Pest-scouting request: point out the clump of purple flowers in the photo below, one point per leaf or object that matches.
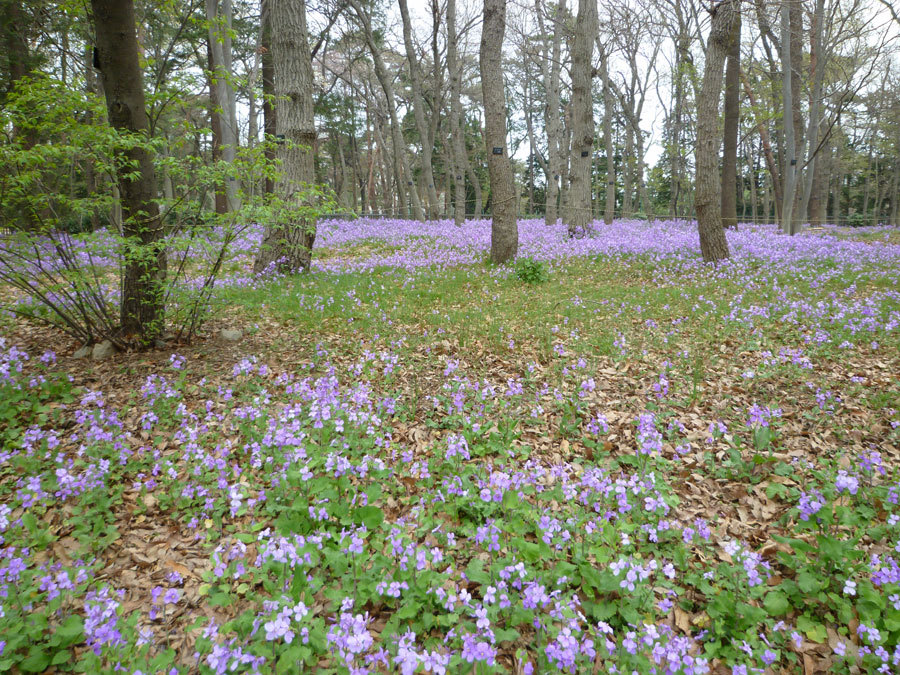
(101, 620)
(649, 439)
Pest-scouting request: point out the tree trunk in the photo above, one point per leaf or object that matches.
(795, 18)
(215, 125)
(642, 183)
(15, 42)
(895, 194)
(142, 307)
(817, 205)
(565, 156)
(610, 205)
(628, 174)
(790, 147)
(268, 85)
(504, 229)
(771, 164)
(91, 179)
(754, 175)
(219, 19)
(457, 133)
(708, 200)
(418, 104)
(475, 180)
(732, 123)
(579, 212)
(676, 151)
(391, 199)
(817, 66)
(550, 70)
(287, 243)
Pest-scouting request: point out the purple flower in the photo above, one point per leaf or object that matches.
(810, 504)
(843, 482)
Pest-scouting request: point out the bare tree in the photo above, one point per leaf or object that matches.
(402, 172)
(707, 200)
(551, 64)
(578, 215)
(504, 229)
(418, 105)
(457, 140)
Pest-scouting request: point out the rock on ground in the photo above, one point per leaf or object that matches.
(103, 350)
(231, 334)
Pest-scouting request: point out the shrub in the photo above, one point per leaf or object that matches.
(531, 271)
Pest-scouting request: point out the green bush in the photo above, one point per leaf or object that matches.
(531, 271)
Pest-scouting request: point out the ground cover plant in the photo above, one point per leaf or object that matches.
(608, 457)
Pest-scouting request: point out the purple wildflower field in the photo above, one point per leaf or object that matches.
(630, 462)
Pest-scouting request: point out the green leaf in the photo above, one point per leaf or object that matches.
(777, 603)
(36, 661)
(814, 630)
(475, 572)
(370, 516)
(506, 634)
(71, 629)
(409, 610)
(510, 499)
(61, 657)
(808, 583)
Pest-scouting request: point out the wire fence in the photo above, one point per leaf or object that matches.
(854, 220)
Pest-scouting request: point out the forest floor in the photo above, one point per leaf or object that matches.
(611, 458)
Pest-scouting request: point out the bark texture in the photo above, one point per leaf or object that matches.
(268, 83)
(287, 244)
(788, 225)
(219, 17)
(732, 119)
(504, 229)
(142, 307)
(707, 199)
(579, 211)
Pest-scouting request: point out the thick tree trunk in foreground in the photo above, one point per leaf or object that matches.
(142, 308)
(288, 243)
(504, 229)
(732, 119)
(579, 213)
(707, 199)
